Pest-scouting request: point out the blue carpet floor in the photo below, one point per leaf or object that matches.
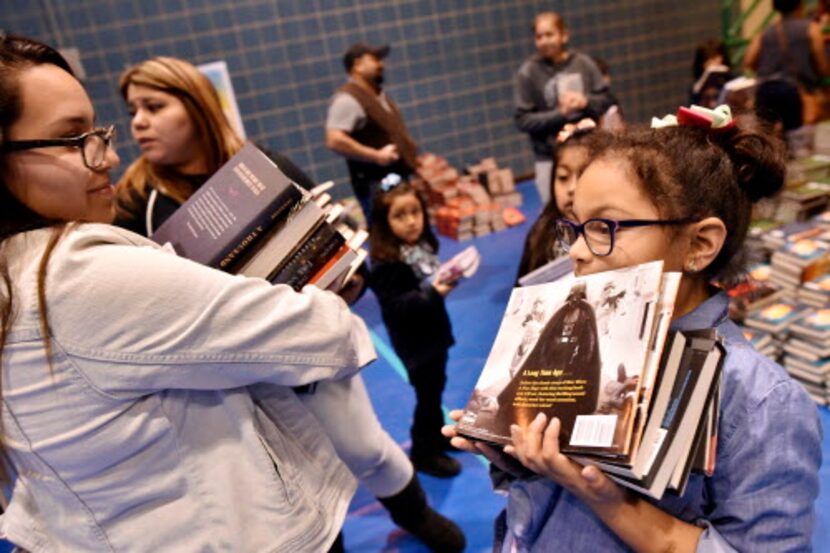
(475, 308)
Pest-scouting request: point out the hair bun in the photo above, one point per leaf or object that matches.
(759, 160)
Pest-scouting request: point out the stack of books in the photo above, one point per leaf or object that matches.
(776, 319)
(807, 169)
(633, 399)
(755, 291)
(469, 205)
(816, 291)
(821, 138)
(807, 353)
(799, 261)
(250, 219)
(499, 182)
(803, 202)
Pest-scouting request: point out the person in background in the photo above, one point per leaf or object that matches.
(404, 277)
(761, 496)
(578, 144)
(555, 86)
(613, 119)
(177, 121)
(790, 61)
(366, 127)
(137, 415)
(712, 60)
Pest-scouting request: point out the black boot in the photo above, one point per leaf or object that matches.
(409, 510)
(435, 463)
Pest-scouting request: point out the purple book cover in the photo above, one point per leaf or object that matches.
(231, 210)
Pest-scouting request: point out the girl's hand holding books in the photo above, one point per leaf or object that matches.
(537, 448)
(501, 460)
(443, 287)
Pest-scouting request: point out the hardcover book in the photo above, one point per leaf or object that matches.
(550, 271)
(462, 265)
(231, 211)
(576, 349)
(814, 325)
(776, 317)
(688, 383)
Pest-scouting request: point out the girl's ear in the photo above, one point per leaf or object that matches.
(706, 239)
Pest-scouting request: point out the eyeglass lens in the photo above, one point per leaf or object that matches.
(95, 149)
(598, 235)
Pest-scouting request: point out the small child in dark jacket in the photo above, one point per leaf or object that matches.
(403, 277)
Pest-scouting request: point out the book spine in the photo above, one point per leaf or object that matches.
(281, 206)
(309, 258)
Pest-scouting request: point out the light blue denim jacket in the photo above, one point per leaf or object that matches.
(760, 498)
(165, 422)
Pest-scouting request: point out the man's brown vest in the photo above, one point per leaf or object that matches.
(383, 126)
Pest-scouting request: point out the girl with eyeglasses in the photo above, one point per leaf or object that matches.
(177, 121)
(146, 400)
(682, 194)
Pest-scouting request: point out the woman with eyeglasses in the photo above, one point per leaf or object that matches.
(146, 400)
(177, 121)
(681, 193)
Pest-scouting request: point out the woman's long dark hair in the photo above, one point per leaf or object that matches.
(16, 55)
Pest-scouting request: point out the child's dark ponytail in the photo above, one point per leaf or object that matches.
(758, 158)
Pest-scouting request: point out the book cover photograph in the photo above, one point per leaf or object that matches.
(575, 349)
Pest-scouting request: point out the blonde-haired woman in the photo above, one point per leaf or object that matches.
(184, 138)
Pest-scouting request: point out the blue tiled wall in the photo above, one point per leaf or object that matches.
(450, 69)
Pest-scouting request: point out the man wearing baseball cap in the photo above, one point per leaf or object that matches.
(366, 127)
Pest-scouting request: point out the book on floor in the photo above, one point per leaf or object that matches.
(576, 349)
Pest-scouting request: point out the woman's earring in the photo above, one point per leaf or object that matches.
(691, 267)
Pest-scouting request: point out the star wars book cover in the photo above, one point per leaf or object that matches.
(575, 349)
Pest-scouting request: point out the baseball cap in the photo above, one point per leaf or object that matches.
(359, 49)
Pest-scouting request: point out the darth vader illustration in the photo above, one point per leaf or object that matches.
(568, 348)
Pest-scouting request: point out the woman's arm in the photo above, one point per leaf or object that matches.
(117, 301)
(817, 53)
(528, 117)
(752, 54)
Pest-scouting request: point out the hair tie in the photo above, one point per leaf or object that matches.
(714, 120)
(390, 181)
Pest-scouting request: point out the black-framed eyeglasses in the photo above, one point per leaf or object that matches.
(93, 145)
(600, 234)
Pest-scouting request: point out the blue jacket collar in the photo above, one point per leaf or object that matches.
(710, 314)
